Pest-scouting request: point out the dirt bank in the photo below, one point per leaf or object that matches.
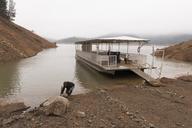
(187, 78)
(181, 51)
(17, 42)
(124, 106)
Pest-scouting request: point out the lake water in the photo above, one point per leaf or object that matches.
(34, 79)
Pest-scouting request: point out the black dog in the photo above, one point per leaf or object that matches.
(69, 86)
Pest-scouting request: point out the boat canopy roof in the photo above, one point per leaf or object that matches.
(119, 39)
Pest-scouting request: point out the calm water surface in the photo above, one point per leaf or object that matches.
(34, 79)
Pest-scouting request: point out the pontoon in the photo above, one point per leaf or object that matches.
(104, 55)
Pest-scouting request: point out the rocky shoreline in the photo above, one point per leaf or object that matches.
(123, 106)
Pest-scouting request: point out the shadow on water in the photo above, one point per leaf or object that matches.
(9, 79)
(93, 79)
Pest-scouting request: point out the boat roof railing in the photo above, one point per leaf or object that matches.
(119, 39)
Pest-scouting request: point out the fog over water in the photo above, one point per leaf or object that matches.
(89, 18)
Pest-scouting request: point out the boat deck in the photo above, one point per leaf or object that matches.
(124, 67)
(121, 67)
(127, 66)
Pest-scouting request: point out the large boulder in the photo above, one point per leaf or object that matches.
(55, 106)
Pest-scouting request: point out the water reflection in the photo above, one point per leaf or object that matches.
(92, 79)
(9, 79)
(173, 68)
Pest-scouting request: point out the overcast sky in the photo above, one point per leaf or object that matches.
(64, 18)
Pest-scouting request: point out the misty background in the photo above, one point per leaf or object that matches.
(87, 18)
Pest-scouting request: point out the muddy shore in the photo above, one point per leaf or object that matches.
(123, 106)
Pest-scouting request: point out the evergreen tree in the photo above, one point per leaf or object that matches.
(3, 9)
(11, 11)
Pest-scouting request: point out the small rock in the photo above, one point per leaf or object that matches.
(136, 86)
(137, 120)
(90, 125)
(8, 121)
(108, 98)
(182, 97)
(81, 114)
(113, 123)
(179, 124)
(89, 121)
(120, 117)
(21, 116)
(76, 124)
(113, 126)
(129, 114)
(157, 90)
(144, 126)
(41, 124)
(137, 112)
(103, 91)
(133, 116)
(143, 118)
(102, 120)
(151, 125)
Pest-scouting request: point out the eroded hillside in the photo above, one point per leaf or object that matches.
(181, 51)
(17, 42)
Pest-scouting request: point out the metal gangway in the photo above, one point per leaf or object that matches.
(145, 76)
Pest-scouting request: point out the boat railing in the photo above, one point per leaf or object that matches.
(102, 60)
(135, 59)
